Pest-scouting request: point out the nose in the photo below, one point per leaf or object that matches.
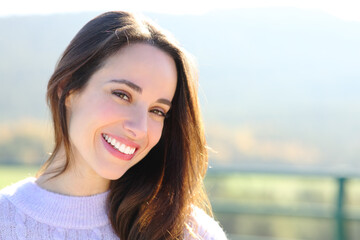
(136, 124)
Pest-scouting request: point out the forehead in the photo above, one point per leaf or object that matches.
(143, 64)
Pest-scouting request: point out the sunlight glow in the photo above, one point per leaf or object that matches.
(344, 9)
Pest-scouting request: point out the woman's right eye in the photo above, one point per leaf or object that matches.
(121, 95)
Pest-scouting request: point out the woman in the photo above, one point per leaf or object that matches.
(129, 155)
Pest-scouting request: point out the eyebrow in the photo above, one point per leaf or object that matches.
(139, 89)
(128, 83)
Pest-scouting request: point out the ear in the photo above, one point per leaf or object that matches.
(60, 92)
(60, 89)
(68, 101)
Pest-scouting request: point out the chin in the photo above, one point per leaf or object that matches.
(112, 175)
(110, 171)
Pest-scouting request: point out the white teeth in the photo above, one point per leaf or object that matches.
(127, 150)
(119, 146)
(122, 148)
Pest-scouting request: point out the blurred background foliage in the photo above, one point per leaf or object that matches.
(26, 141)
(279, 94)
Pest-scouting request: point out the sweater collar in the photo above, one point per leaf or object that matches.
(56, 209)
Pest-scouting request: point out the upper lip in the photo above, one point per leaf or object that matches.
(124, 141)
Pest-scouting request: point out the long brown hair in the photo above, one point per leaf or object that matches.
(154, 198)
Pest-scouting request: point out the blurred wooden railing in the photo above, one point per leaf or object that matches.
(336, 213)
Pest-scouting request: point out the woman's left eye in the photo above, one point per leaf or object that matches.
(158, 112)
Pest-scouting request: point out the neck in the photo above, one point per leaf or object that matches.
(74, 181)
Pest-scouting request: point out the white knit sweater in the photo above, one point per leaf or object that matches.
(30, 212)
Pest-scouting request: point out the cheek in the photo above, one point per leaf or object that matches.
(110, 111)
(89, 118)
(107, 109)
(155, 130)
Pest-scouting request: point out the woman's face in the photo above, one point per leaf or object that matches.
(119, 115)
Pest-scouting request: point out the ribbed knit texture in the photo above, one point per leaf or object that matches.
(30, 212)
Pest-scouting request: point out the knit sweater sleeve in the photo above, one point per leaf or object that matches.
(6, 213)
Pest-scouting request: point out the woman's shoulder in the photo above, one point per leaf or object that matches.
(4, 205)
(9, 194)
(204, 227)
(7, 210)
(11, 190)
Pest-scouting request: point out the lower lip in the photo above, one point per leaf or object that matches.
(116, 153)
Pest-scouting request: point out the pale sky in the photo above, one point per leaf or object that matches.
(345, 9)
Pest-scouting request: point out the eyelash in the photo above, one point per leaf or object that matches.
(159, 113)
(123, 96)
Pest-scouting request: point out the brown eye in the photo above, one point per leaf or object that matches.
(121, 95)
(158, 112)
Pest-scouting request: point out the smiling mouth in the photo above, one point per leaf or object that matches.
(123, 148)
